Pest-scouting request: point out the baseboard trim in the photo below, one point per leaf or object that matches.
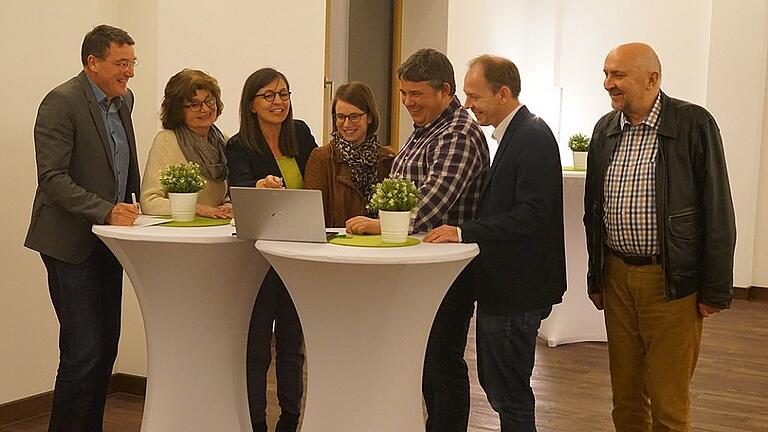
(759, 294)
(742, 293)
(753, 293)
(127, 383)
(40, 404)
(24, 409)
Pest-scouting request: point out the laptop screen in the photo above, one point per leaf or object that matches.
(279, 214)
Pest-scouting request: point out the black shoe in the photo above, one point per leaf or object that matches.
(287, 423)
(260, 426)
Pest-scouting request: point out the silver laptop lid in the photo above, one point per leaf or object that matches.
(278, 214)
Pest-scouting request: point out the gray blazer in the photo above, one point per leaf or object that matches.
(76, 181)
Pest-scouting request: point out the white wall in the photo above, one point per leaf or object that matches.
(140, 20)
(559, 51)
(237, 37)
(760, 263)
(590, 28)
(736, 79)
(520, 30)
(41, 49)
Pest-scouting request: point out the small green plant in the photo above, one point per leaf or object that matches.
(182, 178)
(394, 194)
(578, 142)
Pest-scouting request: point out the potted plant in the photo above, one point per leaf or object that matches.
(394, 199)
(579, 145)
(182, 182)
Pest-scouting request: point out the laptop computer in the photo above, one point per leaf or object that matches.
(279, 214)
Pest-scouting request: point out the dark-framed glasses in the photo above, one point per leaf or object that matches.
(197, 105)
(354, 117)
(269, 96)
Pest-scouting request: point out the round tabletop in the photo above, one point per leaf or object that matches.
(157, 233)
(326, 252)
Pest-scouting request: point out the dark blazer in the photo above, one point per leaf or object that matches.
(247, 166)
(76, 180)
(519, 227)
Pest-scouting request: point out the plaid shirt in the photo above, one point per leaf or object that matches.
(446, 159)
(630, 188)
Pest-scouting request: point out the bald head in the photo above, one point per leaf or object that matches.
(632, 79)
(643, 56)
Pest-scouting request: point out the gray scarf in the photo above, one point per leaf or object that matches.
(206, 152)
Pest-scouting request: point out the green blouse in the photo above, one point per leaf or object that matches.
(291, 173)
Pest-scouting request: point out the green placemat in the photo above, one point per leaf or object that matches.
(371, 241)
(570, 168)
(198, 222)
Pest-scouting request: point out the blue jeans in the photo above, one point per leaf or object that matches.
(506, 349)
(87, 299)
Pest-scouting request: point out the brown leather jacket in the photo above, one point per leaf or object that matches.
(341, 200)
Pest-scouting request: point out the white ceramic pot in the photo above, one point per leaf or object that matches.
(183, 206)
(579, 160)
(394, 226)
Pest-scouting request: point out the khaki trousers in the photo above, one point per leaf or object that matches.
(653, 345)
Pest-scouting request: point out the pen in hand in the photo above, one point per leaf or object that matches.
(133, 198)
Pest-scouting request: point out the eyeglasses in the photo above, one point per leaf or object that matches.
(354, 117)
(197, 105)
(125, 65)
(270, 95)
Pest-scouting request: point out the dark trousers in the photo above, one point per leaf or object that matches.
(506, 349)
(274, 305)
(87, 300)
(445, 383)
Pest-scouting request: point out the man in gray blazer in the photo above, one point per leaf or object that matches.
(87, 170)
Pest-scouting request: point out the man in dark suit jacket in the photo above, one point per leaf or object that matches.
(520, 271)
(87, 170)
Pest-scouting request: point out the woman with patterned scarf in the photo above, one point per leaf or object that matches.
(191, 104)
(347, 169)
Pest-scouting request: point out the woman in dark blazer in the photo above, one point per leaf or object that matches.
(271, 150)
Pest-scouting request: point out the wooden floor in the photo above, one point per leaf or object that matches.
(730, 388)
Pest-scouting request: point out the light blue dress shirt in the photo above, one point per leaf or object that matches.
(118, 141)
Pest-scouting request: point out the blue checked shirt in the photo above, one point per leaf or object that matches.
(447, 160)
(630, 188)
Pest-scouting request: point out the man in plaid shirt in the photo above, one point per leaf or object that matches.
(446, 156)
